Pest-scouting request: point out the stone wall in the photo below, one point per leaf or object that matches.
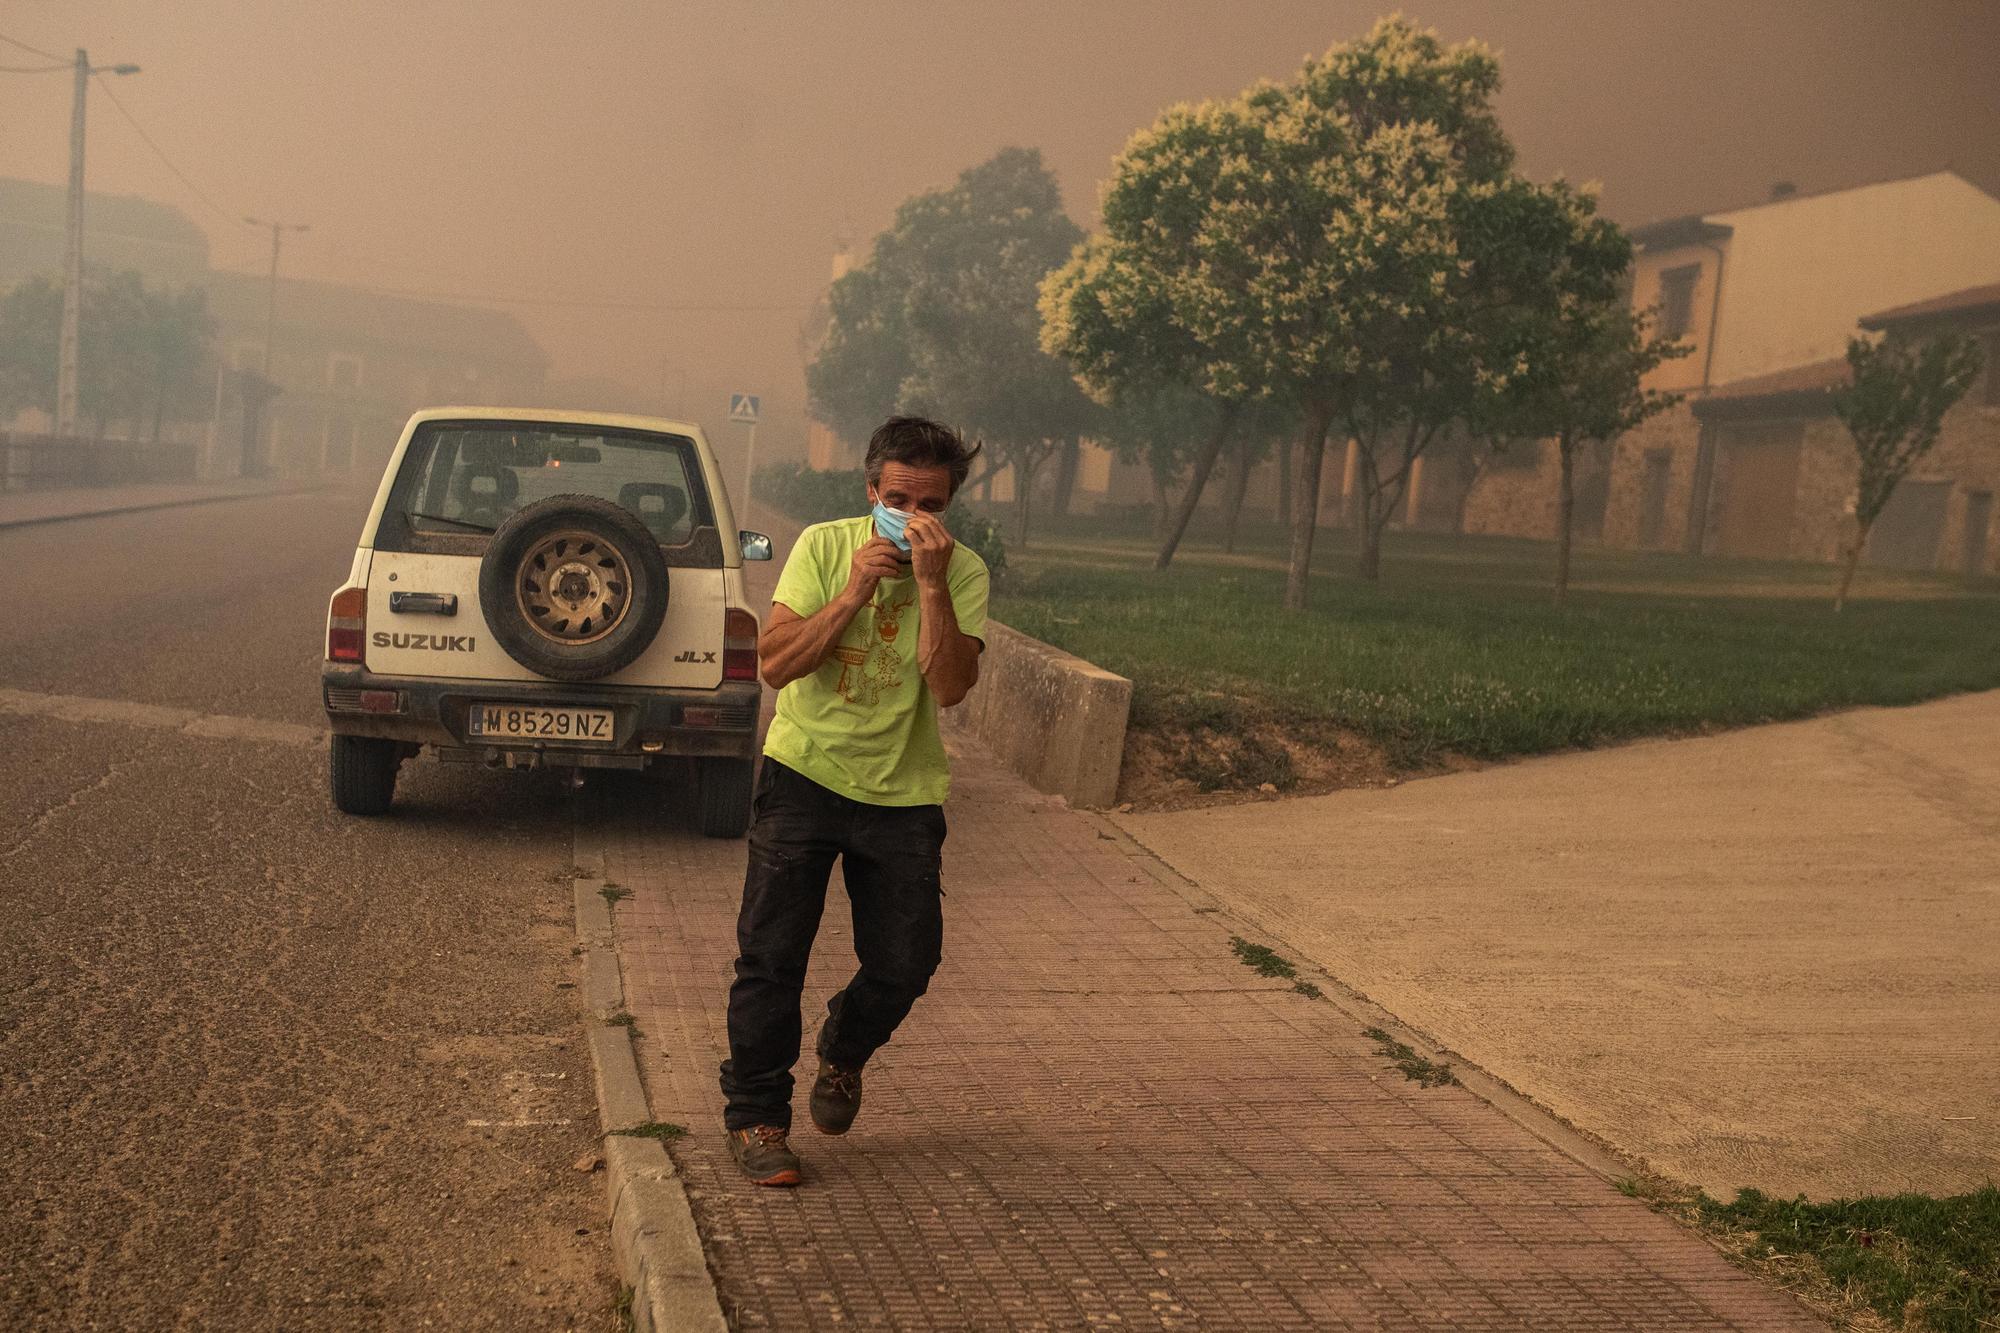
(1968, 451)
(1513, 500)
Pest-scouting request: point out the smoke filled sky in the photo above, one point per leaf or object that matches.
(708, 155)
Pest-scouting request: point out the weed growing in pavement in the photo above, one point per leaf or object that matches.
(1424, 1073)
(613, 892)
(621, 1310)
(653, 1129)
(622, 1019)
(1266, 961)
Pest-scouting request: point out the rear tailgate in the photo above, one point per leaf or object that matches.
(686, 654)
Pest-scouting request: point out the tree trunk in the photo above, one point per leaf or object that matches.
(1368, 497)
(1024, 492)
(1160, 502)
(1239, 486)
(1069, 459)
(1192, 497)
(1285, 484)
(1471, 465)
(1848, 566)
(1565, 512)
(1305, 507)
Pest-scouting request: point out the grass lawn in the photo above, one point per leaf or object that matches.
(1911, 1261)
(1458, 651)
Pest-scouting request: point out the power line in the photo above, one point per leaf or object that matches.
(33, 69)
(160, 153)
(32, 50)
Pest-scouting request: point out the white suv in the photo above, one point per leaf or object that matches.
(543, 589)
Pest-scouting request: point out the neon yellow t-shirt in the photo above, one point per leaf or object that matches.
(865, 724)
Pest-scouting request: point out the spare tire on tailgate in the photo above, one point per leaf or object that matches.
(573, 587)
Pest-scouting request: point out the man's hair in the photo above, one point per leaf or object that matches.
(919, 442)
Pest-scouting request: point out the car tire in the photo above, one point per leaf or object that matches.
(532, 628)
(362, 771)
(722, 794)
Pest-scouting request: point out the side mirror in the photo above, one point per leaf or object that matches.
(756, 546)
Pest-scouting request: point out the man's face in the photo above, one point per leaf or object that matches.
(914, 490)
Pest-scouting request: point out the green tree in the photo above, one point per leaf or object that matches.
(856, 380)
(1327, 222)
(1375, 154)
(1893, 406)
(1397, 267)
(1165, 426)
(942, 319)
(1582, 357)
(30, 328)
(1154, 300)
(141, 352)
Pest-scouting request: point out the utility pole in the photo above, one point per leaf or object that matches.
(254, 400)
(278, 230)
(72, 311)
(72, 257)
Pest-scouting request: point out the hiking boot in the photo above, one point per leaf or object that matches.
(764, 1155)
(836, 1098)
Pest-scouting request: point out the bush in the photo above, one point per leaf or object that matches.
(813, 496)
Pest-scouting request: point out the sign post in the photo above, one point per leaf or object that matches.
(743, 408)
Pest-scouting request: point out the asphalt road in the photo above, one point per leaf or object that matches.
(266, 1066)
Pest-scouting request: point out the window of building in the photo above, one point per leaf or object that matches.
(1677, 300)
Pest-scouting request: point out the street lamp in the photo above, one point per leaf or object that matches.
(66, 355)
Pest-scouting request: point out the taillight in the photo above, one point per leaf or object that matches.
(347, 625)
(739, 646)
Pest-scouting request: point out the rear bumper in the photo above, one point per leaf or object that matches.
(646, 722)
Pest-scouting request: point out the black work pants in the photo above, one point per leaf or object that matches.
(890, 856)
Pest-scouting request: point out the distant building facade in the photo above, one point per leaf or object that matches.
(350, 364)
(1751, 463)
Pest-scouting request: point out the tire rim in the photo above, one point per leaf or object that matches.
(573, 587)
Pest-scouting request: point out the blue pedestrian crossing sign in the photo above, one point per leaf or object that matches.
(743, 407)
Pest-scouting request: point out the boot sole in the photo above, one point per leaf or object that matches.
(782, 1180)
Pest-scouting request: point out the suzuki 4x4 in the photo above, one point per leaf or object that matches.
(547, 590)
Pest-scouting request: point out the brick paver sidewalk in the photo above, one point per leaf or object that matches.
(1100, 1117)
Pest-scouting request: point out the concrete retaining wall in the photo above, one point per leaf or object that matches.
(1055, 719)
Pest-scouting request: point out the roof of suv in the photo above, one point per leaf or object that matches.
(613, 420)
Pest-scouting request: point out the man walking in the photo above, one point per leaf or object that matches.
(876, 621)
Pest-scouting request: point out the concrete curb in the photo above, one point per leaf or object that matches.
(181, 503)
(1050, 716)
(1590, 1153)
(653, 1235)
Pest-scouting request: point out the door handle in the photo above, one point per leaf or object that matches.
(424, 603)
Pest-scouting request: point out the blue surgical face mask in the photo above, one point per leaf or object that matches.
(891, 522)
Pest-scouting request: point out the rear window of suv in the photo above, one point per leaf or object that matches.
(467, 478)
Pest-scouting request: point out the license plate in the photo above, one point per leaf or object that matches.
(531, 722)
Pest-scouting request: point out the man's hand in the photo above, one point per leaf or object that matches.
(876, 559)
(930, 548)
